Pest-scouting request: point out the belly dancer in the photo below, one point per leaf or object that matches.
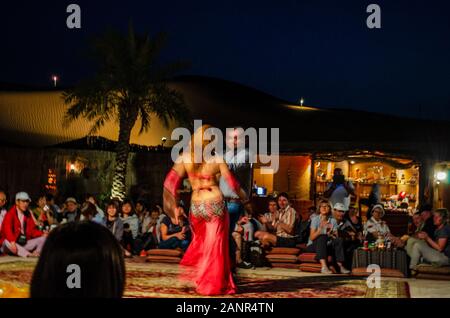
(207, 257)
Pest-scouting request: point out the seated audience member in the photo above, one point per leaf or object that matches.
(100, 214)
(414, 238)
(71, 213)
(129, 218)
(91, 247)
(174, 235)
(313, 212)
(244, 231)
(3, 207)
(267, 219)
(350, 229)
(355, 219)
(19, 234)
(150, 232)
(282, 225)
(112, 220)
(375, 227)
(142, 211)
(42, 213)
(436, 251)
(324, 240)
(50, 201)
(88, 212)
(302, 227)
(355, 222)
(427, 216)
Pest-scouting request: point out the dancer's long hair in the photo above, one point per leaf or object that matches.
(198, 139)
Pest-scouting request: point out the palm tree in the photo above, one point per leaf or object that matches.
(129, 86)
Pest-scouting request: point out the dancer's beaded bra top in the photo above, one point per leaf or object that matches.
(207, 255)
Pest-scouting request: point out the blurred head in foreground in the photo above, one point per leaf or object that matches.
(79, 260)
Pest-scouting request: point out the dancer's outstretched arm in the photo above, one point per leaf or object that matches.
(171, 184)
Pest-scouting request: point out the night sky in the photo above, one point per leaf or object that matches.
(321, 50)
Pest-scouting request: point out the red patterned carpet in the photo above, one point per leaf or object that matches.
(145, 280)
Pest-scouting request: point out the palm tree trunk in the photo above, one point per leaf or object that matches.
(118, 190)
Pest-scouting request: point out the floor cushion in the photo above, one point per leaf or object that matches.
(302, 247)
(163, 259)
(429, 269)
(282, 258)
(425, 271)
(432, 276)
(385, 272)
(284, 250)
(165, 252)
(307, 258)
(314, 268)
(286, 265)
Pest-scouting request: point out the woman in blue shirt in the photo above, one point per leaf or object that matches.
(323, 238)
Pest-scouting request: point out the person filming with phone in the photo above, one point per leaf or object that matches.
(339, 190)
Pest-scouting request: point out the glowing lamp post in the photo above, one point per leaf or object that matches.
(55, 80)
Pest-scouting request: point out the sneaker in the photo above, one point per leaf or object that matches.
(326, 270)
(344, 270)
(245, 265)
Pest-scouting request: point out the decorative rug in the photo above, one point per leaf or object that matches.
(151, 280)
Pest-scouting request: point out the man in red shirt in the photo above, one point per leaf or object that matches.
(19, 234)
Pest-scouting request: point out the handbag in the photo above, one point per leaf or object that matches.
(22, 239)
(257, 255)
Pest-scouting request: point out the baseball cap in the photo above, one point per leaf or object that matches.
(339, 206)
(23, 196)
(73, 200)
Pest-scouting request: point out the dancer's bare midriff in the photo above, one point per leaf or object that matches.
(204, 187)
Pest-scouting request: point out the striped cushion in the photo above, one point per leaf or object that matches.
(286, 265)
(307, 258)
(282, 258)
(310, 267)
(284, 250)
(302, 247)
(438, 270)
(163, 252)
(314, 268)
(163, 259)
(432, 276)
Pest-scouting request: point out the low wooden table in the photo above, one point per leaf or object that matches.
(392, 258)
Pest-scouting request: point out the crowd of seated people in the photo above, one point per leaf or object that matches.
(333, 233)
(431, 249)
(138, 228)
